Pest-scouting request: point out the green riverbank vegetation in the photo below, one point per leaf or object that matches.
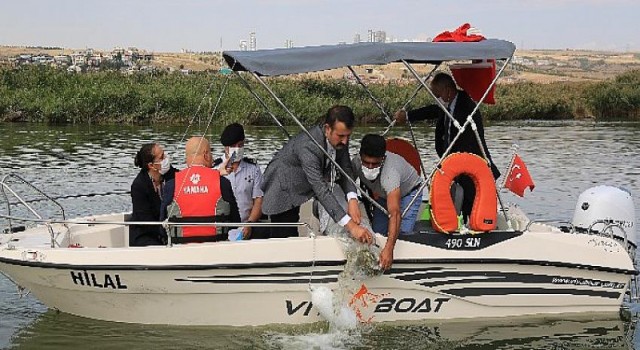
(47, 95)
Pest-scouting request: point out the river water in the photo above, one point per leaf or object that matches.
(564, 159)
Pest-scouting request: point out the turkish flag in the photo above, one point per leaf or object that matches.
(475, 78)
(461, 34)
(518, 178)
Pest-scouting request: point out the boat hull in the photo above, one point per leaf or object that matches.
(434, 277)
(205, 296)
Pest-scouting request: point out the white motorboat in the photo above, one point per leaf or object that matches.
(85, 267)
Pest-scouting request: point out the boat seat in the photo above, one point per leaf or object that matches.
(222, 233)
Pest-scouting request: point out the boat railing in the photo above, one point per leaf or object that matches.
(5, 187)
(531, 222)
(166, 224)
(607, 230)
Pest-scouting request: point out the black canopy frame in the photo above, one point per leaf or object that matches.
(279, 62)
(318, 58)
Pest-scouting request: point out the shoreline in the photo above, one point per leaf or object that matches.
(47, 95)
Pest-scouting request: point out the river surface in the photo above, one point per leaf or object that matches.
(564, 159)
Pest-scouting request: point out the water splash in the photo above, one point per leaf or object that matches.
(362, 263)
(339, 315)
(343, 330)
(337, 340)
(345, 321)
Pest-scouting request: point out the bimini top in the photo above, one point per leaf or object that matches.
(318, 58)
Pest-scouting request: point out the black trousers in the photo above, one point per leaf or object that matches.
(140, 236)
(469, 190)
(260, 232)
(291, 215)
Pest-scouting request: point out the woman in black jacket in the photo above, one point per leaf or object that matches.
(146, 191)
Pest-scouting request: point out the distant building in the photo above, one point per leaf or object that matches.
(288, 43)
(243, 45)
(148, 57)
(62, 59)
(132, 54)
(252, 41)
(42, 59)
(522, 61)
(356, 38)
(377, 36)
(94, 60)
(79, 58)
(117, 54)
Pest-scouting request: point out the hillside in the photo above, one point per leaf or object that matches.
(540, 66)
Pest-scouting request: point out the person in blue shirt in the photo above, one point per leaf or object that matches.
(245, 177)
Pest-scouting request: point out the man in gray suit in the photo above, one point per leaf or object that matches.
(300, 170)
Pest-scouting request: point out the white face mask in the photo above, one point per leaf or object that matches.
(239, 153)
(165, 165)
(370, 174)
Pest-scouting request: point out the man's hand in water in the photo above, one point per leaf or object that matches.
(386, 257)
(359, 233)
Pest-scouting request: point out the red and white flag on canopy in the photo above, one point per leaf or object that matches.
(464, 33)
(475, 78)
(518, 177)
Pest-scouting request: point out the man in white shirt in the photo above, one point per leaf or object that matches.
(245, 177)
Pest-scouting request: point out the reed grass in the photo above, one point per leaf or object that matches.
(47, 95)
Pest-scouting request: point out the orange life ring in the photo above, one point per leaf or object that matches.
(484, 213)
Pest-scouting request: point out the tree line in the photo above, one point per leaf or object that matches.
(46, 95)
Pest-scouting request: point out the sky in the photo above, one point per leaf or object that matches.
(211, 25)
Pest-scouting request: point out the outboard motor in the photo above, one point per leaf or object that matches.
(606, 208)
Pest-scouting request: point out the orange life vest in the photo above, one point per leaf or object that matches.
(484, 213)
(197, 193)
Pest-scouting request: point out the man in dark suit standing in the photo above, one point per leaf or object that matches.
(460, 105)
(300, 171)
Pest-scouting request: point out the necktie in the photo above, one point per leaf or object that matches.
(448, 125)
(158, 189)
(333, 170)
